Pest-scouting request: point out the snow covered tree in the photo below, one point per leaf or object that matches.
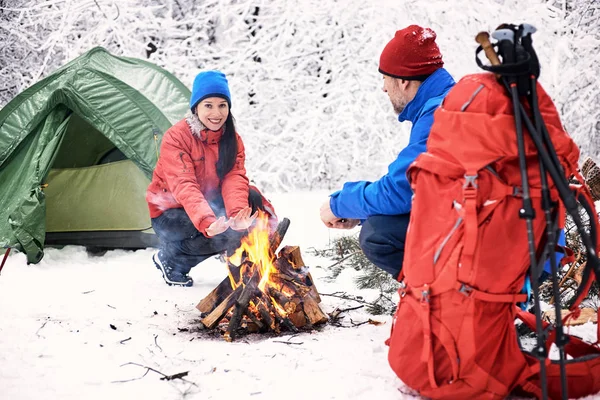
(303, 73)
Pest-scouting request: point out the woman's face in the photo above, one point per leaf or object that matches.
(213, 112)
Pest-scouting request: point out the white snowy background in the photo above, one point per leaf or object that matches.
(306, 92)
(308, 103)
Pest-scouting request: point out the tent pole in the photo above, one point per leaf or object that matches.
(4, 259)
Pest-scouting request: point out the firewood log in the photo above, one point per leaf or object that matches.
(298, 318)
(313, 312)
(293, 254)
(587, 315)
(241, 305)
(265, 314)
(259, 325)
(281, 299)
(216, 315)
(277, 236)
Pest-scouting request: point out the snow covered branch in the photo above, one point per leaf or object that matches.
(303, 73)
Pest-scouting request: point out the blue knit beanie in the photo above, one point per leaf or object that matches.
(209, 84)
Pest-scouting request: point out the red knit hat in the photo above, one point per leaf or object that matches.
(412, 54)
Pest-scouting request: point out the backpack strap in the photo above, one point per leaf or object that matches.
(422, 293)
(419, 301)
(491, 297)
(465, 271)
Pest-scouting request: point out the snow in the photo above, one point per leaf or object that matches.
(426, 34)
(56, 333)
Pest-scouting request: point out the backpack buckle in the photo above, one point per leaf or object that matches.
(425, 294)
(517, 191)
(470, 181)
(466, 290)
(402, 289)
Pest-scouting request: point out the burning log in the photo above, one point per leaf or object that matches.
(281, 299)
(241, 305)
(216, 315)
(277, 237)
(266, 315)
(263, 291)
(260, 326)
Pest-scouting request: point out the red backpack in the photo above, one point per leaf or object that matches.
(467, 256)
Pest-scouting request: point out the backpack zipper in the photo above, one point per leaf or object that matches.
(438, 252)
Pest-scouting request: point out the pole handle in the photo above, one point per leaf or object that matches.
(483, 38)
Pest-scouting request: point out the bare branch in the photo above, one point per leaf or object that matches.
(179, 375)
(156, 342)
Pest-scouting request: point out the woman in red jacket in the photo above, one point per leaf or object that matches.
(199, 199)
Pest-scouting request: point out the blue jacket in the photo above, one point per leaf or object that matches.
(391, 194)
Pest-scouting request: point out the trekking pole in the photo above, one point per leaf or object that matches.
(506, 41)
(547, 205)
(548, 155)
(570, 202)
(4, 259)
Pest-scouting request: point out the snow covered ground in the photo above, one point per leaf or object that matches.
(56, 339)
(71, 324)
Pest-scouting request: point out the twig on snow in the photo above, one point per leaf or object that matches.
(165, 377)
(40, 328)
(286, 342)
(344, 259)
(349, 309)
(358, 323)
(156, 342)
(346, 297)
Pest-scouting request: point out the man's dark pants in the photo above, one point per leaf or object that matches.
(183, 246)
(382, 239)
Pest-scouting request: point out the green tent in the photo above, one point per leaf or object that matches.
(77, 150)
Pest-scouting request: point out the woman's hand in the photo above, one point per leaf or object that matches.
(219, 226)
(243, 220)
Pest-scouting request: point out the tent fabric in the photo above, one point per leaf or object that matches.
(121, 187)
(120, 101)
(99, 240)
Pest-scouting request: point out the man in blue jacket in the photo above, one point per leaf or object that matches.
(416, 83)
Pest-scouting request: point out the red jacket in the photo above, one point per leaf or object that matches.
(186, 175)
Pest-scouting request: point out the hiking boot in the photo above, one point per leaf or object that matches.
(171, 277)
(222, 257)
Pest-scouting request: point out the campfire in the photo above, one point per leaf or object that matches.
(263, 292)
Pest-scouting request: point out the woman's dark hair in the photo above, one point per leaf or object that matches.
(228, 148)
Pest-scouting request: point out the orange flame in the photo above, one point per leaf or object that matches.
(256, 247)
